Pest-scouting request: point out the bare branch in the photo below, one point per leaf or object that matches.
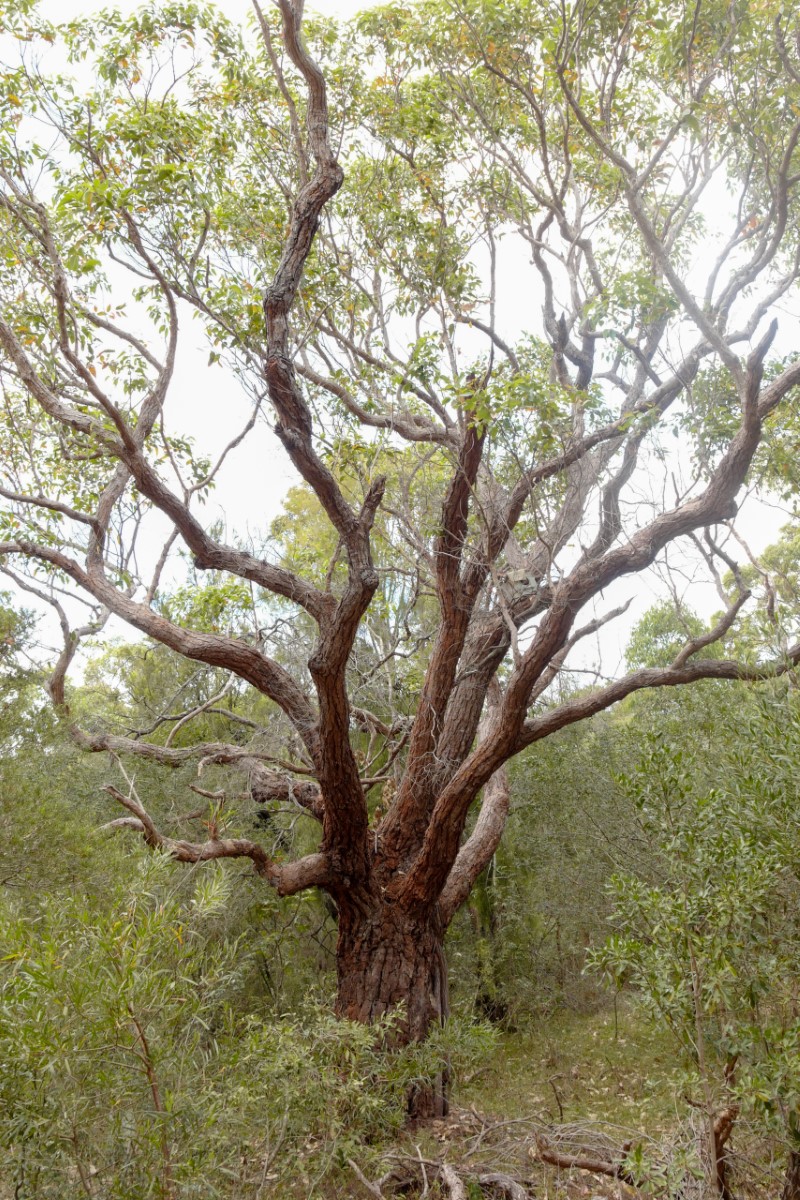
(479, 848)
(311, 871)
(215, 649)
(722, 626)
(581, 1162)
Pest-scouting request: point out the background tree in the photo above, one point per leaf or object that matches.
(503, 467)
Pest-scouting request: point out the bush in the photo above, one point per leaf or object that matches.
(127, 1071)
(709, 937)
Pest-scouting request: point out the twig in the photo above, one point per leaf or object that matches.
(558, 1098)
(168, 1182)
(425, 1187)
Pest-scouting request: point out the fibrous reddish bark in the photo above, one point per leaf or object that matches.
(386, 959)
(390, 963)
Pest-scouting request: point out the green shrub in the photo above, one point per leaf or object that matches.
(127, 1072)
(709, 936)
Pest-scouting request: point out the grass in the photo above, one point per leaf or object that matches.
(601, 1067)
(604, 1069)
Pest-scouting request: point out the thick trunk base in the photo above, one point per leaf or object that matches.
(387, 964)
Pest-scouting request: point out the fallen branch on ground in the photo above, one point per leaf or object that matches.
(372, 1188)
(452, 1181)
(545, 1153)
(499, 1181)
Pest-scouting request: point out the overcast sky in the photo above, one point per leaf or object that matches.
(65, 10)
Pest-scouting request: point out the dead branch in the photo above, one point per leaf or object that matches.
(452, 1181)
(499, 1181)
(579, 1162)
(722, 1128)
(372, 1188)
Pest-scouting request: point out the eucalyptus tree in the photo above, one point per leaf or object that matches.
(459, 255)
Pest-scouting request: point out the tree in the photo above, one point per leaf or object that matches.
(358, 190)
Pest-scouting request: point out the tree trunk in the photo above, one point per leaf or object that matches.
(791, 1180)
(386, 961)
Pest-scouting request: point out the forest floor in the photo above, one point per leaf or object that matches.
(595, 1080)
(608, 1067)
(594, 1086)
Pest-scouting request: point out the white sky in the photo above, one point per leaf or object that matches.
(66, 10)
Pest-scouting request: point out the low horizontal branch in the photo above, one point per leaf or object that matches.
(287, 879)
